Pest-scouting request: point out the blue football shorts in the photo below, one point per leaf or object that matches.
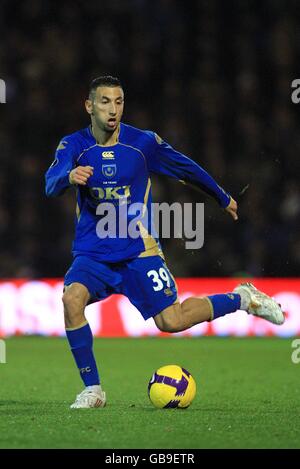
(146, 281)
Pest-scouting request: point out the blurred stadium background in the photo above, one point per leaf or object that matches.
(213, 79)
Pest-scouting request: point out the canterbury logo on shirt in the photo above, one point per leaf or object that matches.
(108, 155)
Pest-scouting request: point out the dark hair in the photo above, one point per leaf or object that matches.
(106, 80)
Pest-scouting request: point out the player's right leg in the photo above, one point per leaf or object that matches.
(79, 334)
(75, 298)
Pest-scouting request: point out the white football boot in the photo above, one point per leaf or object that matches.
(259, 304)
(91, 396)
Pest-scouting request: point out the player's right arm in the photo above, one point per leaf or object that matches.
(80, 175)
(57, 176)
(63, 172)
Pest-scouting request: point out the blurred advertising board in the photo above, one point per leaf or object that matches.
(35, 307)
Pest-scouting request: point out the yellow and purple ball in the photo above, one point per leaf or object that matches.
(171, 386)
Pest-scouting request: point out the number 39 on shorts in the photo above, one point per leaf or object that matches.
(159, 278)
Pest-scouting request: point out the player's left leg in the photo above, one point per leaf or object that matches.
(151, 287)
(179, 317)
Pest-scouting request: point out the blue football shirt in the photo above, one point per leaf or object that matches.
(121, 178)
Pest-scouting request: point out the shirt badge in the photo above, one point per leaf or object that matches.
(109, 170)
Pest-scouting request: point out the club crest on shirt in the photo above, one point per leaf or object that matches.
(109, 170)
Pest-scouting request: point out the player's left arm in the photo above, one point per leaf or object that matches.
(232, 208)
(165, 160)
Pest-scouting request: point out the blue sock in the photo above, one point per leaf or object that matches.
(224, 304)
(81, 343)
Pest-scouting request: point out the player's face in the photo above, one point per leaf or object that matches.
(107, 107)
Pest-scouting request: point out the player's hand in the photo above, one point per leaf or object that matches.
(80, 175)
(232, 208)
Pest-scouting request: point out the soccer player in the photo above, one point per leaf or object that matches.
(110, 162)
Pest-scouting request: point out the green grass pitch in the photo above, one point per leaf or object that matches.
(248, 395)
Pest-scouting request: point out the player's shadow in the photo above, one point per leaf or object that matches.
(153, 409)
(4, 403)
(27, 405)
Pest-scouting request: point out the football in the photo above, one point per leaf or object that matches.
(170, 387)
